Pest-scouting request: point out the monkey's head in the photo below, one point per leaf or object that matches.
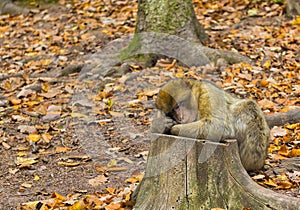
(177, 101)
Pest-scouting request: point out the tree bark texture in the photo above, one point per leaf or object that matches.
(173, 23)
(185, 173)
(281, 118)
(7, 7)
(175, 17)
(293, 7)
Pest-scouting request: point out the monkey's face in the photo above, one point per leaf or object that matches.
(177, 101)
(183, 113)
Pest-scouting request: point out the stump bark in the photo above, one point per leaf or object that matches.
(185, 173)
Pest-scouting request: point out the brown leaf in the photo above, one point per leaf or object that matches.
(283, 150)
(51, 93)
(6, 145)
(278, 131)
(98, 180)
(62, 149)
(68, 164)
(266, 104)
(114, 206)
(27, 129)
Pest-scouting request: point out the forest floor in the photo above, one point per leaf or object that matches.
(70, 142)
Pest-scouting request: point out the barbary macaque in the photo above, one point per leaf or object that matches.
(199, 109)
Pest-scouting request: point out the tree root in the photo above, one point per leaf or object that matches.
(7, 7)
(146, 48)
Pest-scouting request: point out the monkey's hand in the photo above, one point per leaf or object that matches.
(203, 129)
(190, 130)
(161, 123)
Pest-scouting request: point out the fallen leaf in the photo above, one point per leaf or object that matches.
(58, 197)
(27, 129)
(98, 180)
(111, 190)
(259, 176)
(78, 205)
(51, 93)
(36, 178)
(6, 145)
(284, 185)
(62, 149)
(78, 115)
(33, 137)
(266, 104)
(278, 131)
(26, 185)
(23, 162)
(68, 164)
(270, 182)
(283, 150)
(116, 114)
(114, 206)
(294, 153)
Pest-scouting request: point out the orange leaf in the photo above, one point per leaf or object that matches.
(33, 137)
(284, 185)
(58, 196)
(78, 205)
(283, 150)
(264, 83)
(295, 153)
(62, 149)
(46, 87)
(270, 182)
(46, 62)
(267, 64)
(114, 206)
(296, 21)
(111, 190)
(15, 101)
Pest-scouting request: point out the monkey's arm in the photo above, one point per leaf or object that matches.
(211, 129)
(161, 123)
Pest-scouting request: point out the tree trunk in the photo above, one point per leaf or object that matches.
(175, 17)
(184, 173)
(164, 28)
(170, 28)
(158, 19)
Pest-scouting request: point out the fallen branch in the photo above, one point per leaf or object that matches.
(281, 118)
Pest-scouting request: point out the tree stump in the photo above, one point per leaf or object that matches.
(185, 173)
